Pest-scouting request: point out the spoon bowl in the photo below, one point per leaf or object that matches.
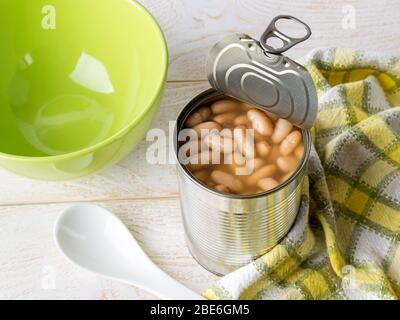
(94, 239)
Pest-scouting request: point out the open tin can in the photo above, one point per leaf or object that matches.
(227, 231)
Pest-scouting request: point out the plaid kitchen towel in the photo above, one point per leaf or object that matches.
(345, 243)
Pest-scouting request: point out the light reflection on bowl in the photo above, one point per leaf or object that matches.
(89, 88)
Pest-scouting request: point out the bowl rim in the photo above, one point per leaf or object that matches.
(159, 89)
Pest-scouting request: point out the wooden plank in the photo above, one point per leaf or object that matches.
(32, 268)
(192, 27)
(133, 177)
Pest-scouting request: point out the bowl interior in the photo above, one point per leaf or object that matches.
(74, 73)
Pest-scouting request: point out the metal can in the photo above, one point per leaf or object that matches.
(226, 231)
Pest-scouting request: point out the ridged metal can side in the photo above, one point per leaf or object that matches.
(224, 232)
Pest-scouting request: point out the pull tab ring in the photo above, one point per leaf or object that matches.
(288, 42)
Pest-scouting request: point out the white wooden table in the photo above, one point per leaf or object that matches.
(146, 196)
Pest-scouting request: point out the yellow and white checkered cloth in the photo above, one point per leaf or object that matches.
(345, 243)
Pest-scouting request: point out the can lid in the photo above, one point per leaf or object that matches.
(257, 73)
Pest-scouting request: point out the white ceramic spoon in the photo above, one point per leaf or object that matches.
(94, 239)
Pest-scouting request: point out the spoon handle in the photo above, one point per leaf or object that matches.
(162, 285)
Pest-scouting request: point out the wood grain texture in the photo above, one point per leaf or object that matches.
(132, 178)
(192, 27)
(146, 196)
(32, 268)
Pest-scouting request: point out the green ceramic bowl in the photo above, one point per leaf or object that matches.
(80, 83)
